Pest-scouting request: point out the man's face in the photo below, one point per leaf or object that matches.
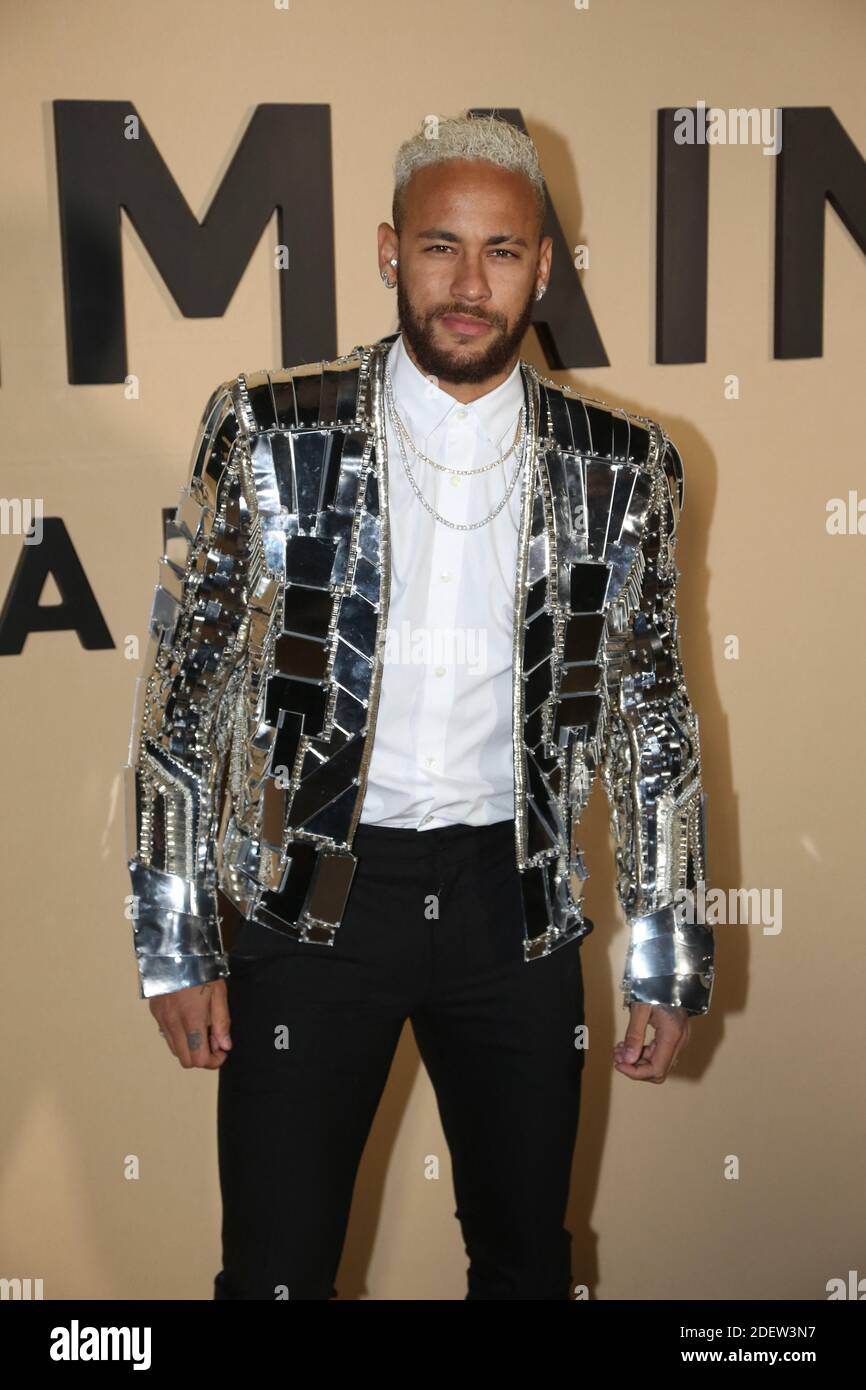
(469, 266)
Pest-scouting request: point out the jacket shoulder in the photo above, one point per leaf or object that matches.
(585, 425)
(311, 395)
(218, 431)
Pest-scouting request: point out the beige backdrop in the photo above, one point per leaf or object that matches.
(773, 1076)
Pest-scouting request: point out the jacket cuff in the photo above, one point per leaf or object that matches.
(165, 974)
(669, 963)
(176, 931)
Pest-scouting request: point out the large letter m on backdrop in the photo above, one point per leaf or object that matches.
(106, 161)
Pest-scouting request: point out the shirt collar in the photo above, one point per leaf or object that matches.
(428, 406)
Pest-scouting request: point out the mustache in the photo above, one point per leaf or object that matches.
(465, 314)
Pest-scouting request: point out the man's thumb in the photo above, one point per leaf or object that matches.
(632, 1046)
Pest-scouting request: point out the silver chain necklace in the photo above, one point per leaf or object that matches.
(458, 472)
(400, 429)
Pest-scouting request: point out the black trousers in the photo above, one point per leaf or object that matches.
(433, 932)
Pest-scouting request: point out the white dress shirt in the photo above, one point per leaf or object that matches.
(442, 749)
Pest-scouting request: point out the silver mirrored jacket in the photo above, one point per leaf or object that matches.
(256, 709)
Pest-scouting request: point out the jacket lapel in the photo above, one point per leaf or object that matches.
(314, 470)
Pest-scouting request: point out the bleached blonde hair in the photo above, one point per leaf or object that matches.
(488, 137)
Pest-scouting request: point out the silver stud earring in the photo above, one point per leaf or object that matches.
(388, 284)
(539, 293)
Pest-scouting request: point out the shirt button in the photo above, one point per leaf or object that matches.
(445, 577)
(440, 670)
(429, 762)
(455, 482)
(461, 413)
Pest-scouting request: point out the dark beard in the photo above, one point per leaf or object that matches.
(454, 366)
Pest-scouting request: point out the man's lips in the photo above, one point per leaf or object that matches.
(470, 328)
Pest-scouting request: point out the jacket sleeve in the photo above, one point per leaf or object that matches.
(182, 716)
(652, 775)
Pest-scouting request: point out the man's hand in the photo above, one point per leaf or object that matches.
(195, 1023)
(653, 1062)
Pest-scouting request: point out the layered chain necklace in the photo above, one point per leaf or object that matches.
(404, 438)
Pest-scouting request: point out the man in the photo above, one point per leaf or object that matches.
(426, 596)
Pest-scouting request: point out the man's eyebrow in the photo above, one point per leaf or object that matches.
(438, 234)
